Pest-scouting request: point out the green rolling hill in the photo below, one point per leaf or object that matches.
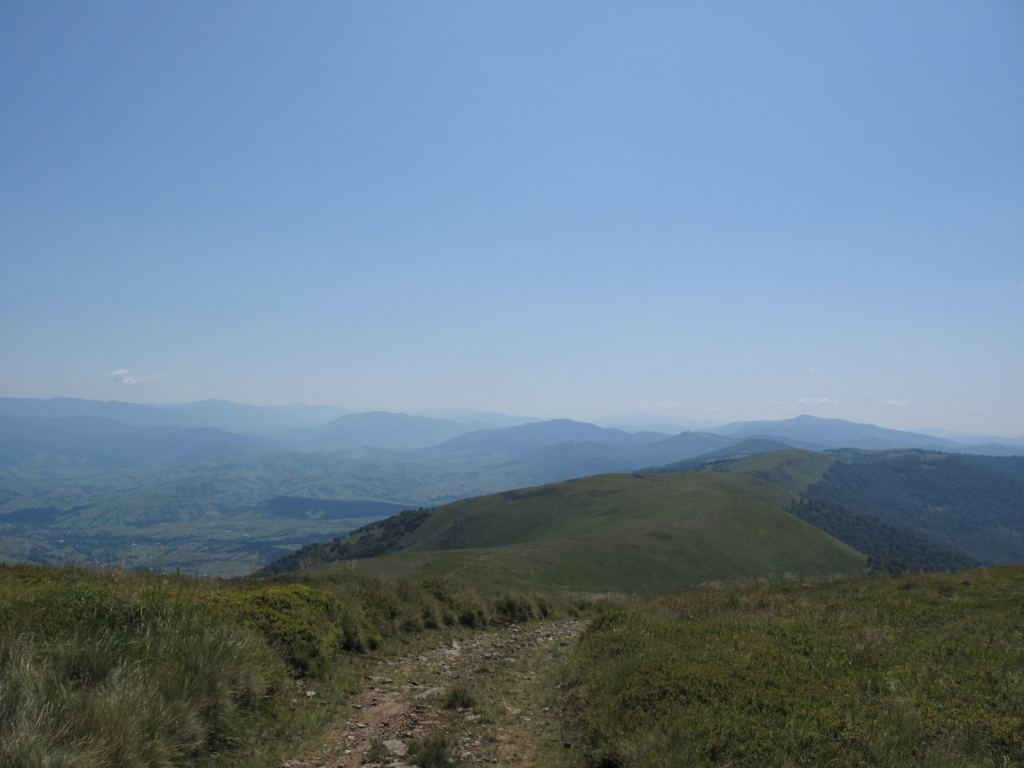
(786, 511)
(791, 469)
(636, 533)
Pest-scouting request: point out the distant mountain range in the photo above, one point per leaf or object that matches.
(218, 414)
(89, 481)
(381, 429)
(105, 443)
(106, 433)
(837, 433)
(512, 441)
(467, 416)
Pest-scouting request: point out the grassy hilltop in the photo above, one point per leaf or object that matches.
(639, 533)
(785, 511)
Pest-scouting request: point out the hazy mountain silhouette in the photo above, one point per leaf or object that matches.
(383, 429)
(838, 433)
(515, 441)
(107, 443)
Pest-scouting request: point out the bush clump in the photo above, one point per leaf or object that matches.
(459, 697)
(432, 751)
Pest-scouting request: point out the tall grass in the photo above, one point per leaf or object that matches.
(126, 669)
(91, 676)
(894, 671)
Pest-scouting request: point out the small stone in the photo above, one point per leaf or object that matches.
(396, 747)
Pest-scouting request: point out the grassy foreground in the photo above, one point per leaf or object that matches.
(129, 669)
(886, 671)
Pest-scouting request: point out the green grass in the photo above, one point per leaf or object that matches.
(647, 534)
(432, 751)
(459, 697)
(791, 469)
(101, 671)
(886, 671)
(102, 668)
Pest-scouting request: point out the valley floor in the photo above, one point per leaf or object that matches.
(490, 697)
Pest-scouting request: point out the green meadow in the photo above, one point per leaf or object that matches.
(635, 533)
(922, 670)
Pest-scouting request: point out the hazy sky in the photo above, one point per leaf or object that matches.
(707, 210)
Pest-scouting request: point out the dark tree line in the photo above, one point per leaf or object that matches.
(888, 547)
(379, 538)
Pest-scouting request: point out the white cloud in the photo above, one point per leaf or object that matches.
(815, 401)
(125, 376)
(895, 402)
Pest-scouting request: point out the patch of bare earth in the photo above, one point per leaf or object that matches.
(511, 718)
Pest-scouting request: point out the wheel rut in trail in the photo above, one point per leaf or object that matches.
(404, 698)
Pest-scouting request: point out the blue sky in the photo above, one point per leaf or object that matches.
(704, 210)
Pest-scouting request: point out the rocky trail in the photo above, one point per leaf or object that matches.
(503, 711)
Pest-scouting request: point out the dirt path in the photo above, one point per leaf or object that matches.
(509, 715)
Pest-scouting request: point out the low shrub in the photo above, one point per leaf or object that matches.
(459, 697)
(431, 751)
(514, 609)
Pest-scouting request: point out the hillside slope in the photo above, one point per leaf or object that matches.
(971, 503)
(791, 469)
(636, 533)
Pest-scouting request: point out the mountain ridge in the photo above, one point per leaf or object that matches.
(588, 534)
